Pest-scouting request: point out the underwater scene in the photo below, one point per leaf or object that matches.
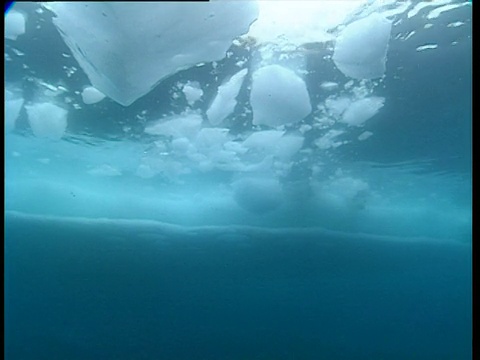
(238, 179)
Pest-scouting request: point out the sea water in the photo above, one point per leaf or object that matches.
(178, 229)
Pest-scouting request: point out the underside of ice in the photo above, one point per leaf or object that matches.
(257, 128)
(126, 49)
(361, 48)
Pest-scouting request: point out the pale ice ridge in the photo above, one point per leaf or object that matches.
(342, 204)
(162, 231)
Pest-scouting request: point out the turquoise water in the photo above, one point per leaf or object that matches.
(123, 243)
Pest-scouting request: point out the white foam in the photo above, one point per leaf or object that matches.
(14, 24)
(278, 96)
(361, 48)
(47, 120)
(90, 95)
(158, 39)
(224, 103)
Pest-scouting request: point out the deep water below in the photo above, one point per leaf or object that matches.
(106, 289)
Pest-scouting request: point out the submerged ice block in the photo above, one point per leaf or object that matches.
(126, 48)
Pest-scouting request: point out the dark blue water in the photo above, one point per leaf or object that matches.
(108, 290)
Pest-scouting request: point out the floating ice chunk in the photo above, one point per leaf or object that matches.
(90, 95)
(365, 135)
(210, 140)
(104, 170)
(408, 36)
(47, 120)
(263, 140)
(192, 92)
(14, 24)
(327, 141)
(278, 97)
(362, 110)
(181, 146)
(273, 142)
(13, 105)
(305, 128)
(258, 194)
(427, 47)
(455, 24)
(224, 103)
(421, 5)
(288, 146)
(235, 146)
(361, 48)
(187, 125)
(436, 13)
(158, 39)
(329, 85)
(337, 106)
